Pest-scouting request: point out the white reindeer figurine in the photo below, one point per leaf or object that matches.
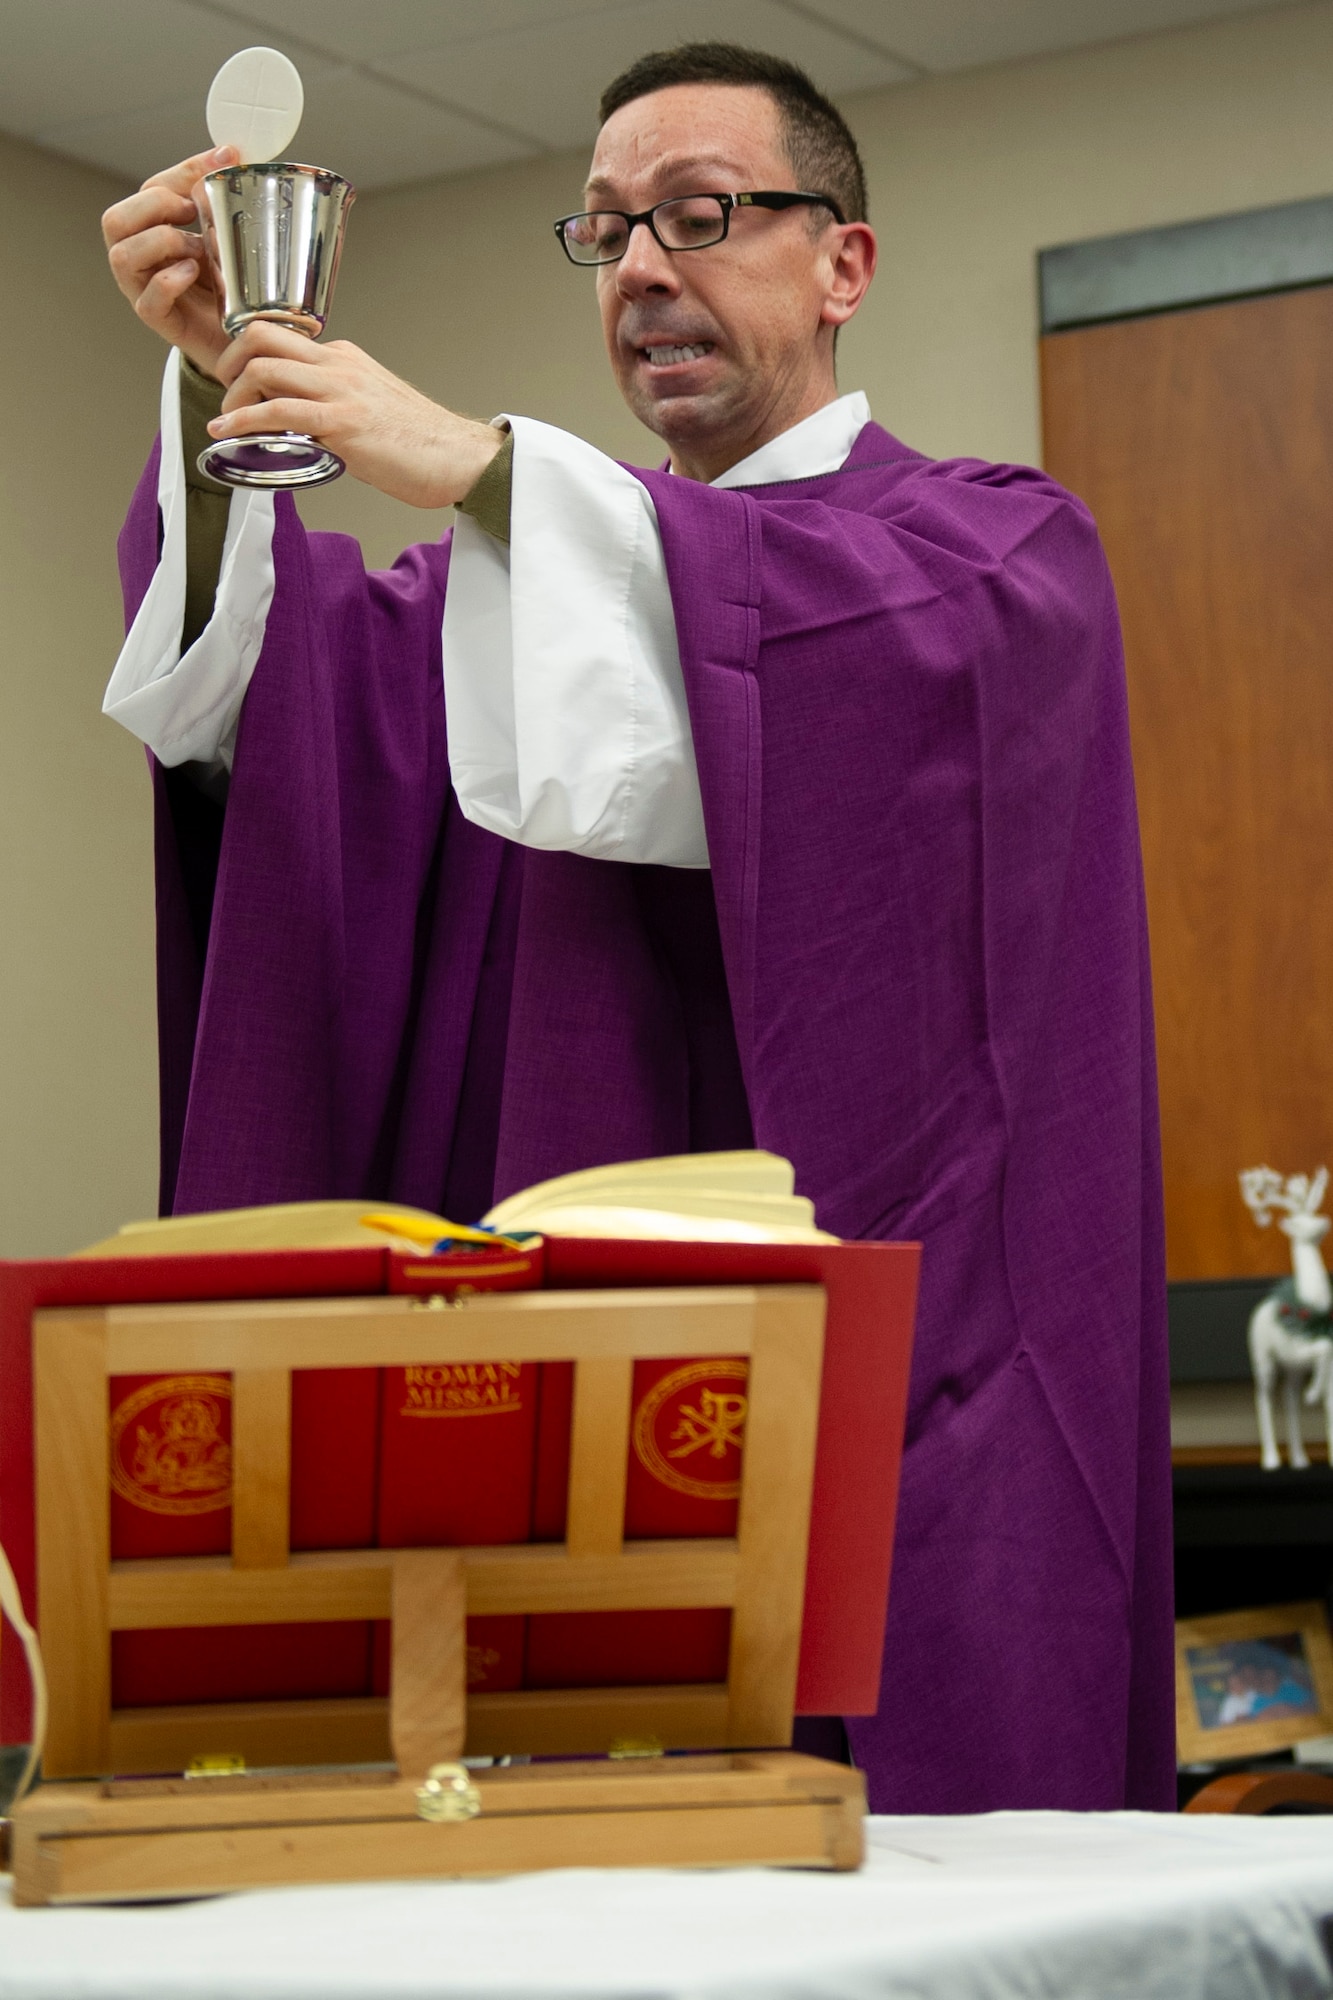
(1291, 1331)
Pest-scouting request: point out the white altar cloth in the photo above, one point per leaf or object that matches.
(1005, 1906)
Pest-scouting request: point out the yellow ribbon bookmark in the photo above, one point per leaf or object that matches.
(418, 1229)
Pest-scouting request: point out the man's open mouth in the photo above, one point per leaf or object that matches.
(669, 357)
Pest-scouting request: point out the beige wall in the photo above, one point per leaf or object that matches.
(459, 285)
(77, 390)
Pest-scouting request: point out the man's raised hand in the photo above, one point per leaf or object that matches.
(160, 263)
(387, 432)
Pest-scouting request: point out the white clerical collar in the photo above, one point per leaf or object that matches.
(817, 444)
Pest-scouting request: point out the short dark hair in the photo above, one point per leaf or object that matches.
(815, 135)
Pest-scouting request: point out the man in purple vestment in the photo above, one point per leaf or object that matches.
(780, 797)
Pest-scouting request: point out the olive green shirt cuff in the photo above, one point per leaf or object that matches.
(207, 502)
(489, 500)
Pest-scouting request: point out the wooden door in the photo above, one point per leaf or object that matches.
(1203, 442)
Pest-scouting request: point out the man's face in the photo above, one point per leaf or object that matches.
(717, 349)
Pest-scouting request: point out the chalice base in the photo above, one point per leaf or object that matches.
(271, 459)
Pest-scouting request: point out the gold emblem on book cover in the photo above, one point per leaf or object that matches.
(689, 1432)
(463, 1389)
(168, 1449)
(480, 1660)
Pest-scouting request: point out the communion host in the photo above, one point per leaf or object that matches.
(778, 796)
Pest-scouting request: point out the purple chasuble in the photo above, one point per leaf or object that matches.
(917, 967)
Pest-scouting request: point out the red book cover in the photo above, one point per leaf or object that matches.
(687, 1439)
(456, 1454)
(240, 1663)
(550, 1479)
(626, 1648)
(335, 1441)
(170, 1443)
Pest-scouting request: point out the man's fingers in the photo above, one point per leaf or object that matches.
(134, 260)
(183, 176)
(263, 337)
(285, 413)
(272, 376)
(145, 210)
(165, 197)
(164, 291)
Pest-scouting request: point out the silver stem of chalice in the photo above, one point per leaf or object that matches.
(276, 236)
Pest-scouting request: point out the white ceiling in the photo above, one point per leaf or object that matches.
(400, 90)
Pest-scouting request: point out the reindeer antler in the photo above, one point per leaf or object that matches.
(1263, 1190)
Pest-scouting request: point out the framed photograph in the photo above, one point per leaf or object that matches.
(1252, 1681)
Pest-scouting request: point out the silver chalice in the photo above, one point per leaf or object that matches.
(276, 234)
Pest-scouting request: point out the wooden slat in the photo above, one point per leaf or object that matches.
(558, 1722)
(73, 1537)
(777, 1479)
(368, 1794)
(428, 1692)
(355, 1583)
(396, 1333)
(599, 1455)
(261, 1443)
(352, 1731)
(568, 1722)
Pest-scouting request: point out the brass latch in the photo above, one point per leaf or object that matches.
(216, 1764)
(448, 1794)
(636, 1746)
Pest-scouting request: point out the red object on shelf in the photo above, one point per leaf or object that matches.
(379, 1456)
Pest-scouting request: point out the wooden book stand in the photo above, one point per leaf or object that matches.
(123, 1838)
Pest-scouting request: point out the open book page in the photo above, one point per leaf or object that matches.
(288, 1225)
(650, 1225)
(741, 1197)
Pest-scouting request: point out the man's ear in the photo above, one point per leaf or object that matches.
(852, 257)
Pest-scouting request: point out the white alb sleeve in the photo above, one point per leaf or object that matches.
(568, 728)
(185, 707)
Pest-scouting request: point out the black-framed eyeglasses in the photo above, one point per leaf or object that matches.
(685, 222)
